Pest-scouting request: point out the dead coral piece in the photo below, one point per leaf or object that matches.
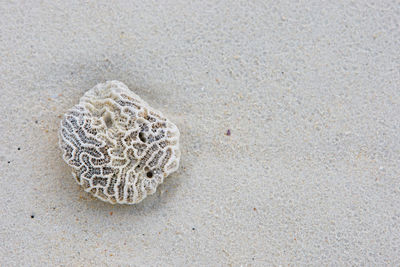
(119, 147)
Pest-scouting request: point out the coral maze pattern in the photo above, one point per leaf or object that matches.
(120, 148)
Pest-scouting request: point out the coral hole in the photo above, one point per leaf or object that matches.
(142, 137)
(108, 119)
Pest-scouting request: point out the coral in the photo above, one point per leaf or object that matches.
(119, 147)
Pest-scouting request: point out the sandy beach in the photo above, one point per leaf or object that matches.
(290, 132)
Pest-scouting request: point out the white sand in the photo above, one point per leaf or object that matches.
(310, 91)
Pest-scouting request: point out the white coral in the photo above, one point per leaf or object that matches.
(119, 147)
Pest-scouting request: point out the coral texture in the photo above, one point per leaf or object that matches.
(119, 147)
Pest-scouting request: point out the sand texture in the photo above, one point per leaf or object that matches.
(289, 120)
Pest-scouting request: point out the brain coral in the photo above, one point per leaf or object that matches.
(119, 147)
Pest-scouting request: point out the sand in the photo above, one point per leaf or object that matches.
(309, 92)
